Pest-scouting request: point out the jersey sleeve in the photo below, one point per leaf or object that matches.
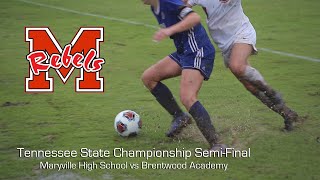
(184, 12)
(178, 8)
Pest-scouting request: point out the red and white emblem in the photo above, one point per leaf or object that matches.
(81, 53)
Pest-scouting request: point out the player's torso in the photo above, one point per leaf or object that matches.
(224, 20)
(167, 14)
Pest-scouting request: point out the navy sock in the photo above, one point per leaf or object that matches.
(166, 99)
(202, 118)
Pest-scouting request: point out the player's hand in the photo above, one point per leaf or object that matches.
(161, 34)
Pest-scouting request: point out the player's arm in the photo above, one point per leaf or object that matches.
(189, 20)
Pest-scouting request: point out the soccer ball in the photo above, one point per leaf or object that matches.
(127, 123)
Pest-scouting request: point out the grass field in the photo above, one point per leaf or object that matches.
(67, 120)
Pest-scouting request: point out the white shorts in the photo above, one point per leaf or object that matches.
(246, 36)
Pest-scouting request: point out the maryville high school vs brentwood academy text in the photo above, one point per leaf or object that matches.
(123, 153)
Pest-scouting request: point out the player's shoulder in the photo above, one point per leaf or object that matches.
(171, 5)
(172, 2)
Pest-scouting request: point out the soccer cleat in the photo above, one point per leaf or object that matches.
(289, 120)
(178, 124)
(219, 147)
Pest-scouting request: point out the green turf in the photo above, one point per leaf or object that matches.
(68, 120)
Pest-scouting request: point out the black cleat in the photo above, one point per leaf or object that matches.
(178, 124)
(219, 147)
(289, 120)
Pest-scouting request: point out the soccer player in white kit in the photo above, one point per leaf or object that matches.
(233, 33)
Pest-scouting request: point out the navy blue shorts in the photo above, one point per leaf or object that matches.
(202, 60)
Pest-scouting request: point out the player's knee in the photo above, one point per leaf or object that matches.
(144, 78)
(237, 69)
(147, 79)
(187, 100)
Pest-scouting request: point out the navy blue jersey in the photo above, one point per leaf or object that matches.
(169, 13)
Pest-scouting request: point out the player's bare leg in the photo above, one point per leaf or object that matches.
(191, 81)
(164, 69)
(254, 82)
(152, 77)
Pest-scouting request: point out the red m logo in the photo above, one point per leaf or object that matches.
(82, 53)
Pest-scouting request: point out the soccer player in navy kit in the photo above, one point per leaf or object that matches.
(193, 60)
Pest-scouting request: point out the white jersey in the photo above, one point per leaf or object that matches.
(225, 21)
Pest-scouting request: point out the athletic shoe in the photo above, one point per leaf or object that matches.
(289, 120)
(178, 124)
(219, 147)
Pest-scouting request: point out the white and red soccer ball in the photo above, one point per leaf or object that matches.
(127, 123)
